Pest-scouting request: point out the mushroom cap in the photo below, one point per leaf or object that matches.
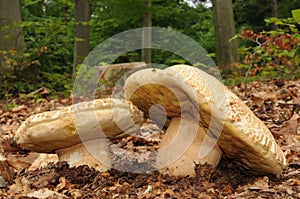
(243, 137)
(159, 94)
(53, 130)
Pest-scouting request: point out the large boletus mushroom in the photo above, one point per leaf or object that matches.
(239, 133)
(79, 133)
(170, 102)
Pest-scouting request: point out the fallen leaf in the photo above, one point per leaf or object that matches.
(290, 127)
(45, 193)
(62, 184)
(19, 108)
(168, 193)
(228, 190)
(260, 183)
(20, 162)
(6, 171)
(8, 146)
(43, 160)
(258, 101)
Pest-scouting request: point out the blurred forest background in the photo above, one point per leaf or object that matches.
(42, 42)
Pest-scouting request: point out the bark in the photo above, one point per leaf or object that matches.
(274, 6)
(146, 40)
(10, 37)
(82, 14)
(226, 49)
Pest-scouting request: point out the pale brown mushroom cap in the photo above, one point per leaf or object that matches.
(244, 137)
(53, 130)
(149, 87)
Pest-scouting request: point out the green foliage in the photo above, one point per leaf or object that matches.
(112, 17)
(48, 31)
(53, 30)
(296, 15)
(22, 74)
(9, 106)
(271, 54)
(250, 14)
(196, 23)
(17, 66)
(47, 62)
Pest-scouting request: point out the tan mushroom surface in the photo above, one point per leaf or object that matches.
(180, 147)
(69, 130)
(242, 137)
(171, 103)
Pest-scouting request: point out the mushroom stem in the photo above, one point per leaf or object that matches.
(180, 148)
(93, 153)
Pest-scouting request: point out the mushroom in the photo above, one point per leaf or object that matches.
(79, 133)
(113, 76)
(183, 89)
(170, 102)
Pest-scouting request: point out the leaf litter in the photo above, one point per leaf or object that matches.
(25, 174)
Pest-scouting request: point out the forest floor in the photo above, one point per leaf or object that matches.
(276, 103)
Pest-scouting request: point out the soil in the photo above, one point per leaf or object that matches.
(276, 103)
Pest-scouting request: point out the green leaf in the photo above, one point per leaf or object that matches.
(296, 15)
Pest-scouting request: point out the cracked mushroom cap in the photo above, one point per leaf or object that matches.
(242, 137)
(54, 130)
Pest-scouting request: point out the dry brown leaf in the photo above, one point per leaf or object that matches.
(7, 146)
(62, 184)
(290, 127)
(292, 182)
(19, 165)
(168, 193)
(6, 171)
(260, 184)
(45, 193)
(292, 142)
(20, 162)
(228, 190)
(258, 101)
(19, 108)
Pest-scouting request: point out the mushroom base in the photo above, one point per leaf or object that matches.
(93, 153)
(182, 147)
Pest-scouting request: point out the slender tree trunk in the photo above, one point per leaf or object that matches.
(226, 50)
(147, 37)
(10, 37)
(274, 6)
(82, 14)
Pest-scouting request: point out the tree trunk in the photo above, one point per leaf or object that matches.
(11, 37)
(147, 37)
(82, 14)
(226, 50)
(274, 6)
